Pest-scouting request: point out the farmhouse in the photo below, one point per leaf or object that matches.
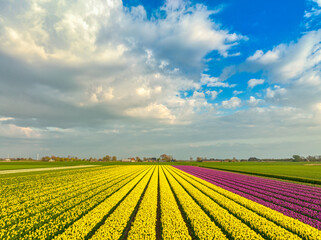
(128, 160)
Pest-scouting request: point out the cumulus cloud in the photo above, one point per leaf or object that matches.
(4, 119)
(266, 58)
(286, 62)
(253, 102)
(234, 102)
(90, 61)
(215, 82)
(254, 82)
(154, 111)
(276, 92)
(293, 72)
(11, 130)
(236, 92)
(88, 71)
(213, 94)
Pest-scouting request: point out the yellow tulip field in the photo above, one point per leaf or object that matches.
(136, 202)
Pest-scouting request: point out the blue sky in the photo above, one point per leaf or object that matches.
(141, 78)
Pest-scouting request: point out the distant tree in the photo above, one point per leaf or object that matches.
(138, 159)
(163, 157)
(107, 158)
(45, 159)
(199, 159)
(114, 158)
(166, 158)
(191, 158)
(296, 158)
(311, 158)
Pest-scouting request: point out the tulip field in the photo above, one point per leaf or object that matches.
(156, 202)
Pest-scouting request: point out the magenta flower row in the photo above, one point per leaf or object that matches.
(294, 200)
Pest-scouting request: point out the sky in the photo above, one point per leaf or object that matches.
(216, 79)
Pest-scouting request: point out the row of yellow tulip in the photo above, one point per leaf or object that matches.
(202, 226)
(87, 224)
(28, 209)
(144, 225)
(295, 226)
(172, 222)
(40, 202)
(56, 218)
(115, 224)
(45, 180)
(18, 196)
(227, 212)
(58, 225)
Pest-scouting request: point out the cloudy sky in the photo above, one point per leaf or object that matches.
(225, 78)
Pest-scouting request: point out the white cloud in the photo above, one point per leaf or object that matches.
(198, 94)
(197, 103)
(215, 82)
(102, 94)
(153, 111)
(318, 2)
(9, 129)
(286, 62)
(213, 94)
(174, 5)
(4, 119)
(254, 82)
(313, 14)
(253, 102)
(276, 93)
(236, 92)
(266, 58)
(14, 131)
(107, 59)
(234, 102)
(296, 73)
(143, 91)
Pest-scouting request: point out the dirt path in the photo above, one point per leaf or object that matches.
(43, 169)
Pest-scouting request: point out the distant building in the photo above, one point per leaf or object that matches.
(128, 160)
(51, 160)
(7, 160)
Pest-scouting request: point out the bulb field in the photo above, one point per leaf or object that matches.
(156, 202)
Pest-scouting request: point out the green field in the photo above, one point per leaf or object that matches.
(295, 171)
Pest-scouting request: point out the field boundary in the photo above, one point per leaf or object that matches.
(290, 178)
(43, 169)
